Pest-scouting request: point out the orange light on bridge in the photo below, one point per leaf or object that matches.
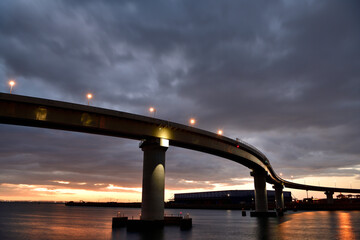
(152, 110)
(192, 121)
(89, 96)
(12, 84)
(220, 132)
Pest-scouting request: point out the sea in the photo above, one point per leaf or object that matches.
(44, 221)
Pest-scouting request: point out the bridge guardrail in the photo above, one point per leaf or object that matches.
(252, 147)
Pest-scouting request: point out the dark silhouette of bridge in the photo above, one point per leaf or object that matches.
(156, 136)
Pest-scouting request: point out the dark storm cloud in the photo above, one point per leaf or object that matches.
(283, 75)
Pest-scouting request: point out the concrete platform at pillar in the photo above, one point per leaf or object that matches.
(263, 214)
(138, 225)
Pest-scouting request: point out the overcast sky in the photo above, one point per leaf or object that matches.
(281, 75)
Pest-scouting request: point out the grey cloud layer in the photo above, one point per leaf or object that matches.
(284, 75)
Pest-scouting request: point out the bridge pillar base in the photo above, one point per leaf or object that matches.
(329, 197)
(152, 206)
(261, 202)
(279, 197)
(144, 225)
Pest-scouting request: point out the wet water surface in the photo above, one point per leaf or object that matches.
(56, 221)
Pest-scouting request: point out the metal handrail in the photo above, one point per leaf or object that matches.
(252, 147)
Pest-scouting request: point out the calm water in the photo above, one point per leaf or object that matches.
(55, 221)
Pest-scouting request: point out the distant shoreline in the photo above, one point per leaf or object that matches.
(172, 205)
(338, 206)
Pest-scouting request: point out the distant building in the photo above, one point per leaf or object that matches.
(243, 197)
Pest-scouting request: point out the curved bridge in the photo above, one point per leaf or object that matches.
(44, 113)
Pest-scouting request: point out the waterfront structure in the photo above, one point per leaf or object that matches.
(229, 197)
(156, 136)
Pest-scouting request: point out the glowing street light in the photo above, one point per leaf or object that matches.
(152, 110)
(192, 121)
(89, 97)
(11, 83)
(220, 132)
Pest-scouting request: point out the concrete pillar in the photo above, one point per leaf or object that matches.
(329, 197)
(279, 196)
(261, 203)
(152, 207)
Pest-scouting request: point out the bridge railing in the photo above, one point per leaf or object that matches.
(252, 148)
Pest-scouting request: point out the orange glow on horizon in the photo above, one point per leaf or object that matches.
(63, 190)
(192, 121)
(25, 192)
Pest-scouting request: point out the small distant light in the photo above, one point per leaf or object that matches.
(280, 174)
(220, 132)
(152, 110)
(192, 121)
(237, 146)
(12, 84)
(89, 96)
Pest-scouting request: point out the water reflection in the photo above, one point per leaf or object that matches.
(345, 226)
(263, 229)
(57, 222)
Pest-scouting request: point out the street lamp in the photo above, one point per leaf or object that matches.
(192, 121)
(11, 83)
(220, 132)
(89, 96)
(152, 110)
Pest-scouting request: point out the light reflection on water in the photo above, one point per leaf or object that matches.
(55, 221)
(346, 230)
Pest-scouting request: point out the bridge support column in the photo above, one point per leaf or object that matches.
(279, 199)
(329, 197)
(152, 207)
(261, 203)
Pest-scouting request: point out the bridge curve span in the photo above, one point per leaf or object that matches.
(44, 113)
